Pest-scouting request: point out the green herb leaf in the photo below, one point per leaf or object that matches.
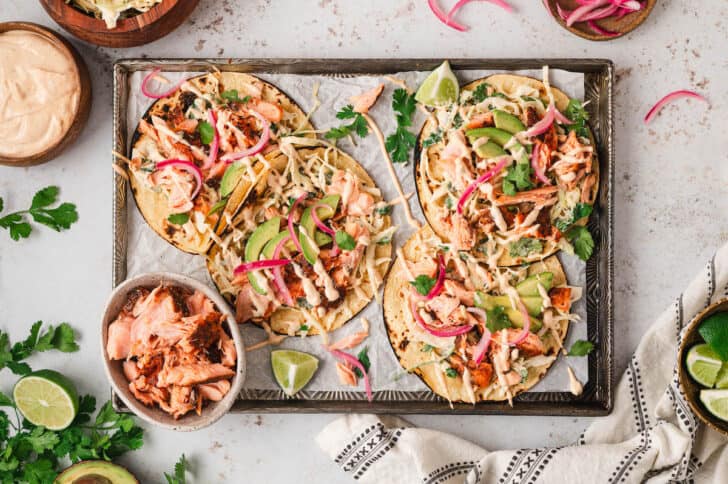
(582, 241)
(497, 319)
(207, 132)
(232, 95)
(344, 240)
(6, 401)
(180, 472)
(219, 205)
(457, 121)
(451, 372)
(179, 218)
(61, 338)
(517, 179)
(524, 247)
(303, 327)
(578, 116)
(480, 93)
(427, 348)
(358, 126)
(580, 211)
(581, 348)
(385, 210)
(363, 358)
(434, 138)
(59, 218)
(424, 284)
(44, 197)
(404, 104)
(402, 141)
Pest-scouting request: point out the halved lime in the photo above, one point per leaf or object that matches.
(703, 365)
(293, 369)
(440, 88)
(722, 380)
(716, 401)
(47, 398)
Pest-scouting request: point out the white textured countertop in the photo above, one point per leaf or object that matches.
(671, 193)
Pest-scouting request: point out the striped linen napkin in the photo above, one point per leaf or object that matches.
(651, 436)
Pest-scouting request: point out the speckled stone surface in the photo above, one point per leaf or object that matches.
(671, 192)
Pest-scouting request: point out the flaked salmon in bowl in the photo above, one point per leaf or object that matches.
(172, 350)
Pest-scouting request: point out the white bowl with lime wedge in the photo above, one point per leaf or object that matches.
(212, 410)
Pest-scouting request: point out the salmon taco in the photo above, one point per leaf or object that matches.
(474, 332)
(504, 165)
(310, 246)
(201, 147)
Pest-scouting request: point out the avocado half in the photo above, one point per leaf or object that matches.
(95, 472)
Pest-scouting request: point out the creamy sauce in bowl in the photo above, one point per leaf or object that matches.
(40, 89)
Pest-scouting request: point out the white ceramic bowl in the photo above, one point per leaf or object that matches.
(212, 411)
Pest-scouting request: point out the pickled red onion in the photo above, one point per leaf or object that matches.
(668, 99)
(482, 179)
(151, 95)
(526, 325)
(260, 264)
(258, 147)
(278, 277)
(482, 347)
(442, 333)
(552, 114)
(356, 363)
(319, 223)
(187, 166)
(536, 167)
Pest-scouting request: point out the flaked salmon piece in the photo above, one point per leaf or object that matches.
(143, 397)
(118, 343)
(586, 189)
(459, 291)
(561, 298)
(531, 346)
(353, 199)
(214, 391)
(460, 317)
(201, 332)
(480, 375)
(442, 305)
(464, 235)
(538, 195)
(181, 401)
(228, 353)
(244, 307)
(346, 374)
(198, 303)
(363, 102)
(131, 370)
(362, 206)
(348, 342)
(192, 374)
(481, 120)
(271, 112)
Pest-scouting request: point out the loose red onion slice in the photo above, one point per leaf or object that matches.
(291, 230)
(482, 347)
(319, 223)
(443, 18)
(668, 99)
(149, 94)
(187, 166)
(536, 167)
(442, 333)
(258, 147)
(215, 146)
(437, 288)
(340, 355)
(260, 264)
(526, 325)
(482, 179)
(278, 277)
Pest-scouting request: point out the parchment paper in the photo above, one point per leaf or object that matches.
(148, 252)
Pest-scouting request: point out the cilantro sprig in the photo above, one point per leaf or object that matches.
(59, 218)
(423, 284)
(180, 472)
(402, 140)
(358, 126)
(582, 241)
(497, 319)
(344, 240)
(577, 114)
(581, 348)
(580, 211)
(60, 338)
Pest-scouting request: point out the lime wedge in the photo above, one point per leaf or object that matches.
(714, 331)
(722, 380)
(293, 369)
(703, 365)
(440, 88)
(716, 401)
(47, 398)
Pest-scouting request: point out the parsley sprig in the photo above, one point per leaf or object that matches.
(58, 218)
(358, 126)
(180, 472)
(61, 338)
(402, 140)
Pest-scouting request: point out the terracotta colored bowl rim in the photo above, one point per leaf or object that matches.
(213, 411)
(593, 36)
(84, 101)
(689, 388)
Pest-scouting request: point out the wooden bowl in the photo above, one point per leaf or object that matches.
(621, 26)
(84, 101)
(213, 411)
(140, 29)
(688, 386)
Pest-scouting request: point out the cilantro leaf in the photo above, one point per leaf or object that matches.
(404, 104)
(497, 319)
(6, 401)
(385, 210)
(180, 472)
(581, 348)
(578, 116)
(402, 140)
(524, 247)
(427, 348)
(423, 284)
(580, 211)
(358, 126)
(207, 132)
(2, 204)
(59, 218)
(219, 205)
(41, 439)
(363, 358)
(44, 197)
(517, 179)
(582, 241)
(232, 95)
(178, 218)
(344, 240)
(434, 138)
(61, 338)
(451, 372)
(480, 93)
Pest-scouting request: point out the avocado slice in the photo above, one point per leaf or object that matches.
(502, 138)
(489, 150)
(261, 236)
(95, 472)
(529, 286)
(508, 122)
(230, 178)
(487, 302)
(332, 201)
(270, 247)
